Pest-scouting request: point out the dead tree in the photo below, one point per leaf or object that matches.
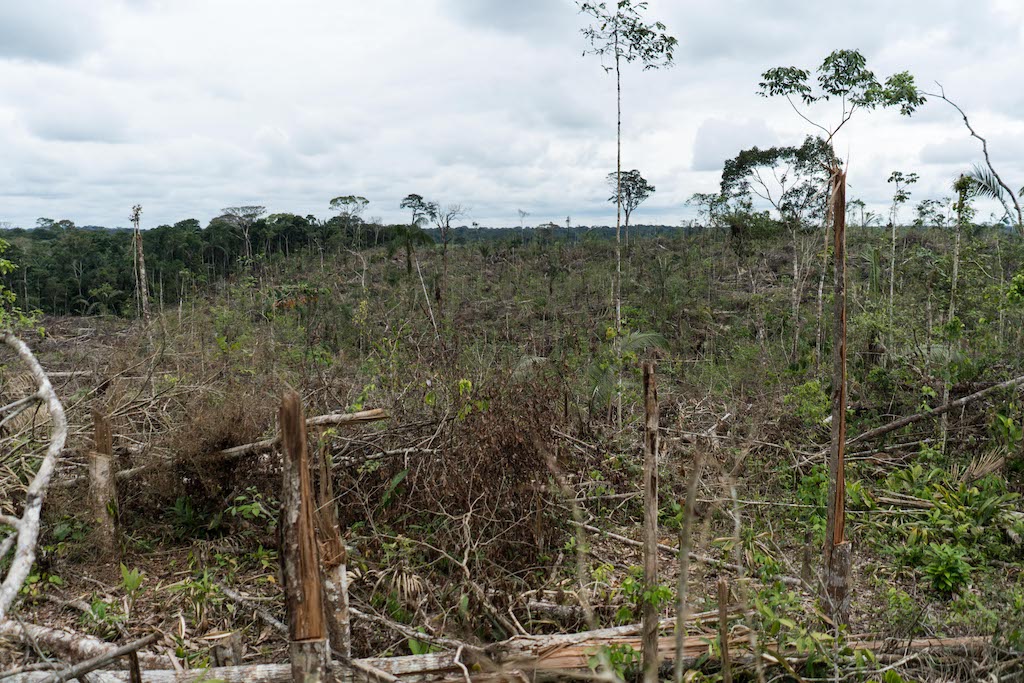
(141, 283)
(102, 487)
(25, 529)
(837, 548)
(300, 559)
(334, 565)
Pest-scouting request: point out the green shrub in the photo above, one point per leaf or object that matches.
(946, 567)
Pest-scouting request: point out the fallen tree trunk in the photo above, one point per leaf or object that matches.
(952, 405)
(70, 645)
(543, 657)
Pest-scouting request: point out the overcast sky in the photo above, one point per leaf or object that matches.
(189, 106)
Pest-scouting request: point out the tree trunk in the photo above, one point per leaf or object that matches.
(103, 489)
(954, 280)
(837, 555)
(618, 229)
(300, 560)
(892, 272)
(141, 282)
(334, 570)
(652, 441)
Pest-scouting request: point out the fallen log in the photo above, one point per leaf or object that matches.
(952, 405)
(89, 665)
(543, 657)
(418, 667)
(70, 645)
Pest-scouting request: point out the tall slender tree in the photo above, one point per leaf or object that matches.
(901, 196)
(620, 34)
(141, 283)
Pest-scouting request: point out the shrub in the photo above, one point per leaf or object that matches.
(946, 567)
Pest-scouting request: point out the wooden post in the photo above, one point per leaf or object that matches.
(103, 488)
(723, 628)
(300, 561)
(837, 551)
(651, 442)
(334, 565)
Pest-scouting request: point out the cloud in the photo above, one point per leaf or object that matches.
(47, 30)
(719, 139)
(190, 106)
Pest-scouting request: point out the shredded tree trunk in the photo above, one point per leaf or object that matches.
(837, 548)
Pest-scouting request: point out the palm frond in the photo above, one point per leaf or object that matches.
(986, 183)
(635, 342)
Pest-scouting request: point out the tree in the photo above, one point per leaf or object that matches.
(929, 212)
(794, 180)
(443, 216)
(842, 76)
(417, 205)
(900, 197)
(624, 36)
(350, 209)
(242, 219)
(409, 237)
(857, 204)
(631, 190)
(522, 225)
(141, 283)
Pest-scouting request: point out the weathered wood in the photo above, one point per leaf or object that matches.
(334, 561)
(26, 528)
(79, 670)
(952, 405)
(102, 488)
(683, 556)
(300, 559)
(651, 443)
(70, 645)
(835, 533)
(542, 655)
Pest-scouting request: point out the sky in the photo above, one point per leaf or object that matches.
(190, 106)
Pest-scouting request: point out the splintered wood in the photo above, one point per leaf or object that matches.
(299, 554)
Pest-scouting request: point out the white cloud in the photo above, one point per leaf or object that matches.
(193, 105)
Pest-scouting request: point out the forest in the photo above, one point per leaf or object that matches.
(783, 442)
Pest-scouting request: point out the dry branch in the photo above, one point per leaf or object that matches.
(27, 527)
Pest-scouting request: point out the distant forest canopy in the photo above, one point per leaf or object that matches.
(63, 269)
